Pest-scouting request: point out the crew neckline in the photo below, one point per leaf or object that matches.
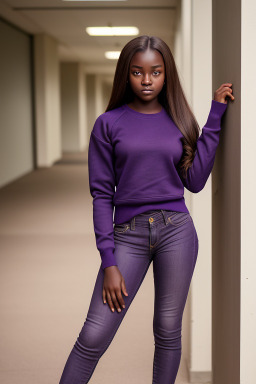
(145, 115)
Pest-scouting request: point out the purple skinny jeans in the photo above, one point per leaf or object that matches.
(169, 240)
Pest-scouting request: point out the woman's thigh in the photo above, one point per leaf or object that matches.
(133, 261)
(173, 265)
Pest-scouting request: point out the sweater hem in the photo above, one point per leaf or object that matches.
(124, 213)
(150, 198)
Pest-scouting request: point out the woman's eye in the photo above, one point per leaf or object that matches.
(155, 72)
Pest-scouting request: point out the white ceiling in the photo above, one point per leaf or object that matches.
(66, 22)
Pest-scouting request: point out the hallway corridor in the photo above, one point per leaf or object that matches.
(49, 263)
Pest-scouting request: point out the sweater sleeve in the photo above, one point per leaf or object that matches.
(207, 144)
(102, 189)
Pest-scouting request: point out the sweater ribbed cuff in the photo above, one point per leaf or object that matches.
(108, 258)
(214, 118)
(218, 108)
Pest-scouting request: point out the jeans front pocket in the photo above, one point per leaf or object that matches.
(178, 218)
(120, 228)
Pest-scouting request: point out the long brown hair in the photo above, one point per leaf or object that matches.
(171, 97)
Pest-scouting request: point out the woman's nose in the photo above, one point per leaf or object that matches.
(146, 79)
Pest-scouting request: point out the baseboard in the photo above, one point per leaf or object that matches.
(204, 377)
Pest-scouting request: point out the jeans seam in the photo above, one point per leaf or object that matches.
(178, 225)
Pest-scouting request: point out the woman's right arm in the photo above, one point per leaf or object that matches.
(102, 189)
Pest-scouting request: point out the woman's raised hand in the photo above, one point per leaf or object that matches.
(112, 286)
(223, 91)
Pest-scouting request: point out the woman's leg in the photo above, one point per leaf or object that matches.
(101, 323)
(173, 265)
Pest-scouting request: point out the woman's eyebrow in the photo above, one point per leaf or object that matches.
(153, 66)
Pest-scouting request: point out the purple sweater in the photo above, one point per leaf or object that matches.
(132, 164)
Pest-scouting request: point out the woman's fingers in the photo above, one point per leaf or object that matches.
(112, 289)
(229, 94)
(224, 85)
(111, 297)
(120, 298)
(222, 92)
(114, 299)
(124, 288)
(110, 303)
(104, 296)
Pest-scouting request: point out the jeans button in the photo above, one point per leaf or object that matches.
(151, 219)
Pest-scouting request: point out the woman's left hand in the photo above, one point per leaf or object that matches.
(223, 91)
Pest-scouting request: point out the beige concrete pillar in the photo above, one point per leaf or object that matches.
(99, 80)
(234, 261)
(47, 100)
(73, 107)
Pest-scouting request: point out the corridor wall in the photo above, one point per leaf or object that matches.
(16, 117)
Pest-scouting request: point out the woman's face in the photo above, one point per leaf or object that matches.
(147, 70)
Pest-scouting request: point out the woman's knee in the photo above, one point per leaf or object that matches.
(92, 338)
(167, 332)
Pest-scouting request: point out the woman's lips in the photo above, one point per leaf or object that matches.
(147, 90)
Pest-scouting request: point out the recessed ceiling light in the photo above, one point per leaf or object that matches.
(93, 0)
(112, 31)
(112, 54)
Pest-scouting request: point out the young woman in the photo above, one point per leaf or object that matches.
(144, 149)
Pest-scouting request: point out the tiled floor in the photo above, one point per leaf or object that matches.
(49, 263)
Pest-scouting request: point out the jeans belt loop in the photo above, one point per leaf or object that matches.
(165, 216)
(132, 223)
